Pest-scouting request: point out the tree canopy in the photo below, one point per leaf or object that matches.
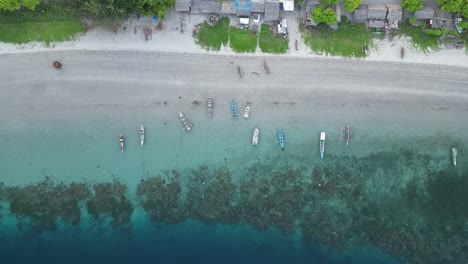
(454, 6)
(324, 14)
(108, 8)
(10, 5)
(351, 5)
(412, 5)
(329, 2)
(155, 7)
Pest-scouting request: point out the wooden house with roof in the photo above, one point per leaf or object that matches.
(443, 20)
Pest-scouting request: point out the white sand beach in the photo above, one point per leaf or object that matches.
(176, 37)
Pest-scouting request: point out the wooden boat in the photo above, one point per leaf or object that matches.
(185, 122)
(57, 65)
(247, 112)
(454, 156)
(255, 137)
(346, 135)
(322, 144)
(142, 135)
(121, 140)
(233, 109)
(209, 106)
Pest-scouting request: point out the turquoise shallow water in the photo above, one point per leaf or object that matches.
(358, 205)
(67, 194)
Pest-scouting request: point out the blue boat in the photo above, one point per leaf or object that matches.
(281, 138)
(233, 109)
(322, 144)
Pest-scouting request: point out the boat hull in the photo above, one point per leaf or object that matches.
(233, 109)
(121, 140)
(322, 145)
(454, 156)
(281, 138)
(142, 135)
(255, 137)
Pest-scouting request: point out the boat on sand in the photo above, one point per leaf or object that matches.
(255, 137)
(142, 135)
(247, 112)
(322, 144)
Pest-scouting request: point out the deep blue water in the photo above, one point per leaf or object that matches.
(184, 243)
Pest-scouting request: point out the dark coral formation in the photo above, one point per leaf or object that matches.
(44, 203)
(410, 205)
(161, 199)
(110, 200)
(210, 196)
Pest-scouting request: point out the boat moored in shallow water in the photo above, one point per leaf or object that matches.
(281, 138)
(142, 135)
(454, 156)
(209, 106)
(185, 122)
(121, 140)
(322, 144)
(255, 137)
(233, 109)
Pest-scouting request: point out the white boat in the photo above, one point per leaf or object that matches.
(121, 140)
(454, 156)
(256, 135)
(247, 112)
(142, 135)
(185, 122)
(322, 144)
(209, 106)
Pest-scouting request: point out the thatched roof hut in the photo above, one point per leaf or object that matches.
(271, 10)
(360, 14)
(206, 6)
(395, 13)
(427, 12)
(182, 5)
(377, 12)
(228, 8)
(258, 6)
(374, 23)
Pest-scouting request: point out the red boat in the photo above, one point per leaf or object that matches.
(121, 143)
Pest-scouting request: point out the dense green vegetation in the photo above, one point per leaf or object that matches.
(270, 43)
(351, 5)
(347, 41)
(11, 5)
(420, 39)
(323, 14)
(454, 6)
(412, 5)
(46, 24)
(242, 40)
(212, 37)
